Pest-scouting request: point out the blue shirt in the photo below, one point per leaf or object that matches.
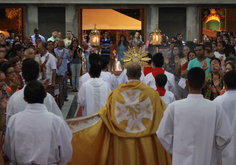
(63, 68)
(33, 38)
(105, 43)
(121, 50)
(196, 63)
(10, 40)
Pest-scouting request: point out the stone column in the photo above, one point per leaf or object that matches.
(72, 19)
(192, 23)
(152, 18)
(31, 19)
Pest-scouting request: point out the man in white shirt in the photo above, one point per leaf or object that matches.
(194, 130)
(228, 102)
(16, 103)
(93, 93)
(36, 136)
(51, 63)
(36, 34)
(167, 96)
(158, 61)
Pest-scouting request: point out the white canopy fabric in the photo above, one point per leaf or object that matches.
(108, 19)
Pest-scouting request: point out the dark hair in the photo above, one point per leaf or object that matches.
(71, 44)
(134, 71)
(104, 62)
(30, 70)
(226, 35)
(37, 38)
(217, 59)
(232, 64)
(161, 80)
(190, 44)
(231, 33)
(149, 55)
(203, 47)
(14, 44)
(34, 92)
(158, 59)
(189, 54)
(231, 49)
(207, 44)
(14, 60)
(95, 69)
(105, 31)
(36, 30)
(71, 47)
(54, 30)
(181, 54)
(93, 57)
(196, 78)
(179, 34)
(226, 50)
(15, 49)
(229, 59)
(5, 66)
(230, 79)
(125, 43)
(220, 36)
(69, 31)
(175, 38)
(53, 52)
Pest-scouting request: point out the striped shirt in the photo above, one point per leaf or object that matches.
(105, 42)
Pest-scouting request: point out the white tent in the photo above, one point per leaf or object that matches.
(108, 19)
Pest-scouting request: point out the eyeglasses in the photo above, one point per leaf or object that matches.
(12, 72)
(18, 64)
(2, 51)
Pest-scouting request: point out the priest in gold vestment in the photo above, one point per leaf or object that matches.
(123, 132)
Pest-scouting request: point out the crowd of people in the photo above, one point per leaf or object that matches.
(196, 82)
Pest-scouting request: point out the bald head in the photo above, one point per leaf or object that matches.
(60, 43)
(30, 53)
(133, 71)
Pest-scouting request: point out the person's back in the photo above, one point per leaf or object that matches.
(228, 102)
(126, 125)
(194, 130)
(36, 136)
(157, 61)
(93, 93)
(167, 96)
(16, 103)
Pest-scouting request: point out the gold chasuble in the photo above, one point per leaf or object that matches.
(123, 132)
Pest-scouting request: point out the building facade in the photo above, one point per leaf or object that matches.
(172, 16)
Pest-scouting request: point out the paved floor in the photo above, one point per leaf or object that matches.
(70, 108)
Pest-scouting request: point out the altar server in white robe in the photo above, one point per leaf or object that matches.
(158, 61)
(195, 130)
(16, 103)
(167, 96)
(106, 76)
(92, 95)
(228, 102)
(36, 136)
